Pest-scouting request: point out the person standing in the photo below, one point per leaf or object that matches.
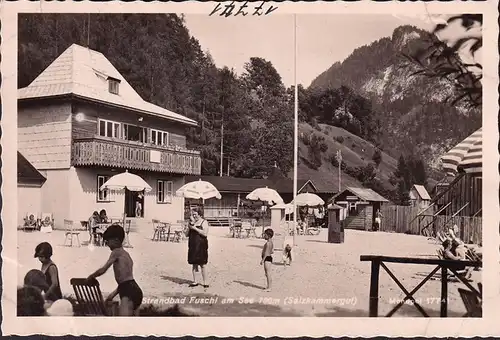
(198, 246)
(378, 220)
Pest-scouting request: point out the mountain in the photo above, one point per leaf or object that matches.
(356, 152)
(414, 114)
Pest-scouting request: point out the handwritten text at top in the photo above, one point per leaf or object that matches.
(232, 9)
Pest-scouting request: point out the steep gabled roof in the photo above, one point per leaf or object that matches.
(422, 192)
(27, 173)
(84, 73)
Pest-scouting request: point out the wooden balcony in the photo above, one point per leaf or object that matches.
(108, 152)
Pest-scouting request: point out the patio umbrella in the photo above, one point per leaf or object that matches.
(266, 195)
(199, 190)
(126, 180)
(309, 200)
(466, 155)
(123, 181)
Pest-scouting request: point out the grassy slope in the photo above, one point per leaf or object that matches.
(355, 152)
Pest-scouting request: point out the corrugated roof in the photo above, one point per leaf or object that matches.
(422, 192)
(27, 173)
(83, 72)
(365, 194)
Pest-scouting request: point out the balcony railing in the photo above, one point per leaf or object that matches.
(103, 151)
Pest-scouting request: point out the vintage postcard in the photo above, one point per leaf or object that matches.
(250, 168)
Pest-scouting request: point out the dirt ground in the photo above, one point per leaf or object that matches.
(323, 280)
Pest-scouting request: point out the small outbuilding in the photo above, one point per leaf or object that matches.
(360, 206)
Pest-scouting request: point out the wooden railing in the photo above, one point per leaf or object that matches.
(102, 151)
(440, 265)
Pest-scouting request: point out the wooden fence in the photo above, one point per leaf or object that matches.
(403, 219)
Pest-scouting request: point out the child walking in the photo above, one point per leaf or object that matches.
(44, 253)
(267, 258)
(129, 291)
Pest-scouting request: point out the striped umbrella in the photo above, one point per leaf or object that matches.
(466, 156)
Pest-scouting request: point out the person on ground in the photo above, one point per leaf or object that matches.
(44, 253)
(197, 234)
(266, 256)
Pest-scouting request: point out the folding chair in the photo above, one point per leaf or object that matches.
(89, 298)
(70, 232)
(472, 303)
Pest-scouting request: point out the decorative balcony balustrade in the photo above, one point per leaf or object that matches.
(107, 152)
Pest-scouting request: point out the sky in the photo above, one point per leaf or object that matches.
(322, 39)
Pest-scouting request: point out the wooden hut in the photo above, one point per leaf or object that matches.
(419, 197)
(360, 206)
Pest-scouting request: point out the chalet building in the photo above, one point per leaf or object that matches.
(29, 189)
(80, 122)
(419, 197)
(359, 206)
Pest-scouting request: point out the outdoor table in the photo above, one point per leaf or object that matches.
(237, 231)
(445, 265)
(248, 228)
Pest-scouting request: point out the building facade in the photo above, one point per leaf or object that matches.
(80, 122)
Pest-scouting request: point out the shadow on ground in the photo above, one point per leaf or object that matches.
(177, 280)
(405, 311)
(249, 284)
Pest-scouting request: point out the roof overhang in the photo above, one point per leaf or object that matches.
(108, 104)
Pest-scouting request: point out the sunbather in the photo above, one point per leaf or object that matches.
(451, 254)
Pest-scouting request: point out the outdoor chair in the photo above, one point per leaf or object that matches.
(89, 299)
(31, 222)
(47, 222)
(70, 233)
(159, 230)
(472, 303)
(250, 229)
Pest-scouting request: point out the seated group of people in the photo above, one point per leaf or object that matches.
(94, 220)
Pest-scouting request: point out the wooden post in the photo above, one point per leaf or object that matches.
(374, 288)
(444, 291)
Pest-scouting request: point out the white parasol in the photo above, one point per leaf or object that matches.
(126, 180)
(308, 200)
(199, 190)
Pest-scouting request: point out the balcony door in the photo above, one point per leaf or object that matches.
(134, 203)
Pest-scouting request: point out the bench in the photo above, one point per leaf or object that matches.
(378, 261)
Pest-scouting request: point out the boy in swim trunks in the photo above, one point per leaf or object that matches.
(267, 258)
(129, 291)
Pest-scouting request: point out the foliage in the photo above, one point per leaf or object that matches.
(377, 157)
(166, 66)
(441, 59)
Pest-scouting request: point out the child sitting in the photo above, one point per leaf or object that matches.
(44, 253)
(267, 258)
(129, 291)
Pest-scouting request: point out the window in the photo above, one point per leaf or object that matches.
(134, 133)
(102, 195)
(164, 191)
(114, 85)
(159, 137)
(108, 128)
